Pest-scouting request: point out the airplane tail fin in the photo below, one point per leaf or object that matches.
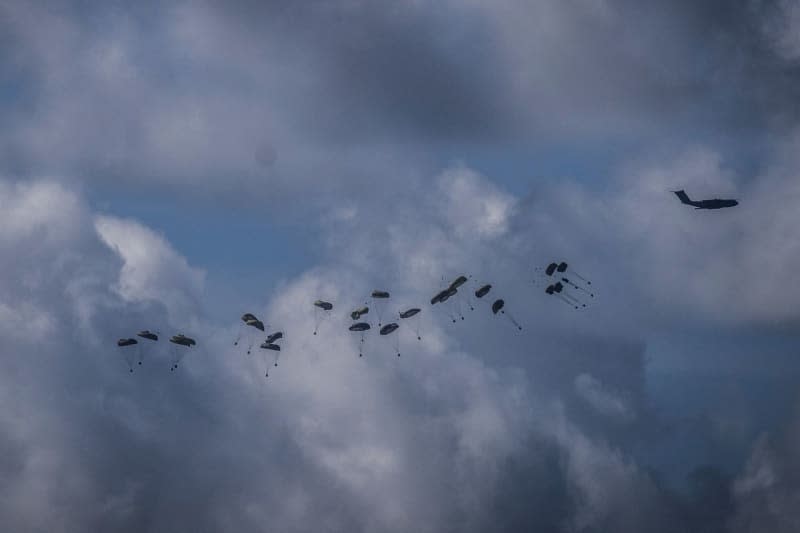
(684, 198)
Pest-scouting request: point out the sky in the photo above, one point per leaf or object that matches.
(170, 166)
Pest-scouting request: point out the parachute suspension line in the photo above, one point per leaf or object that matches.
(581, 278)
(566, 301)
(512, 319)
(397, 344)
(578, 287)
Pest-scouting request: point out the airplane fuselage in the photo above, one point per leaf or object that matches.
(716, 203)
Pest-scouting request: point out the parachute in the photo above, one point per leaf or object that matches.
(181, 344)
(388, 329)
(325, 306)
(272, 337)
(322, 310)
(459, 281)
(558, 282)
(362, 328)
(557, 289)
(273, 347)
(445, 294)
(379, 299)
(483, 291)
(129, 350)
(249, 319)
(409, 313)
(145, 334)
(499, 307)
(564, 267)
(355, 315)
(413, 314)
(460, 298)
(442, 296)
(255, 323)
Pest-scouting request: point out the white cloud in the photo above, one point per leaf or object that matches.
(151, 269)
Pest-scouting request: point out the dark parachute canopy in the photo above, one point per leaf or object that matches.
(483, 291)
(358, 313)
(146, 334)
(388, 328)
(272, 337)
(127, 342)
(182, 340)
(459, 281)
(408, 313)
(325, 306)
(497, 306)
(442, 296)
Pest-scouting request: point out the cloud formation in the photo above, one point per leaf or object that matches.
(346, 115)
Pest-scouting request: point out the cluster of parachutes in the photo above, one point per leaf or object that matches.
(270, 344)
(561, 282)
(571, 290)
(133, 350)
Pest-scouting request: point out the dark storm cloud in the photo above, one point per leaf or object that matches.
(280, 99)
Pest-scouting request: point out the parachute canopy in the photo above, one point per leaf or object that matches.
(380, 294)
(355, 315)
(483, 291)
(256, 323)
(270, 346)
(359, 326)
(459, 281)
(408, 313)
(551, 268)
(146, 334)
(183, 340)
(327, 306)
(497, 306)
(248, 317)
(274, 336)
(127, 342)
(443, 296)
(388, 328)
